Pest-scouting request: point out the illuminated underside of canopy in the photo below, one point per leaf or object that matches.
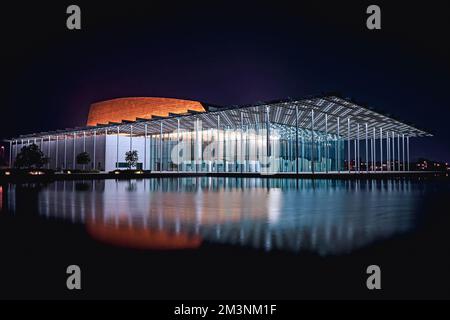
(326, 111)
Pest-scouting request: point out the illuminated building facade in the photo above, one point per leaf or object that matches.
(319, 134)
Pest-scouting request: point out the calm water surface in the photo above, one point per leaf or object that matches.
(327, 217)
(196, 219)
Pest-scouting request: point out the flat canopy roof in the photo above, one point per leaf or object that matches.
(328, 110)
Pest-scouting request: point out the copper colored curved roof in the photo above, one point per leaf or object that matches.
(130, 109)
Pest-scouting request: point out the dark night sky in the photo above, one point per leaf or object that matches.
(225, 53)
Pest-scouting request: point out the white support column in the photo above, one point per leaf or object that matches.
(84, 146)
(247, 151)
(393, 150)
(49, 155)
(348, 144)
(407, 150)
(160, 145)
(358, 166)
(268, 134)
(374, 151)
(367, 150)
(10, 154)
(236, 162)
(326, 143)
(145, 147)
(241, 165)
(178, 145)
(370, 160)
(168, 150)
(65, 151)
(303, 151)
(117, 148)
(296, 141)
(403, 152)
(381, 149)
(388, 152)
(106, 137)
(131, 137)
(57, 151)
(312, 141)
(218, 144)
(355, 167)
(338, 162)
(372, 167)
(94, 151)
(150, 154)
(398, 150)
(200, 145)
(73, 156)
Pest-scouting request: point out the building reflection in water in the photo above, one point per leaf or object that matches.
(322, 216)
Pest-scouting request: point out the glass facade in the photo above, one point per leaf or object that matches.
(250, 148)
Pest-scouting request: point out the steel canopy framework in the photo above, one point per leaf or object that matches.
(327, 115)
(280, 112)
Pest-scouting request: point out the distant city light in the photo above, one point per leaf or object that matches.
(36, 173)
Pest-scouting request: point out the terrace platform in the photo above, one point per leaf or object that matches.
(343, 175)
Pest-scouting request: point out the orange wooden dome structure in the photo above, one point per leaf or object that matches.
(130, 109)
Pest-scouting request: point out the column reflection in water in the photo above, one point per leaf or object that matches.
(322, 216)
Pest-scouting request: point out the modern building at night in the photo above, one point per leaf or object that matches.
(319, 134)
